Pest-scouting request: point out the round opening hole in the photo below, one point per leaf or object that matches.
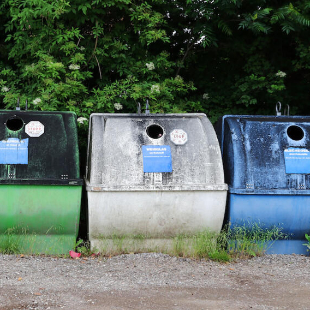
(154, 131)
(14, 123)
(295, 133)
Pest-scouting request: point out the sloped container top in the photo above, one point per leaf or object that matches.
(39, 148)
(266, 154)
(116, 158)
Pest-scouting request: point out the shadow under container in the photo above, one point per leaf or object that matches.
(154, 175)
(267, 168)
(40, 185)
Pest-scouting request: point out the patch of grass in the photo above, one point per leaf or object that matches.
(243, 241)
(247, 240)
(201, 245)
(125, 244)
(118, 242)
(252, 239)
(139, 237)
(21, 240)
(204, 244)
(10, 242)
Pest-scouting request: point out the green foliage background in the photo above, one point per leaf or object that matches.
(217, 57)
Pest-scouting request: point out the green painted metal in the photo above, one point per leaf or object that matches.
(39, 218)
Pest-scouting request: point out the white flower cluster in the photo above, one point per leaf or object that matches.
(118, 106)
(27, 68)
(36, 101)
(155, 88)
(281, 74)
(82, 48)
(178, 78)
(56, 65)
(205, 96)
(5, 89)
(81, 120)
(150, 66)
(74, 67)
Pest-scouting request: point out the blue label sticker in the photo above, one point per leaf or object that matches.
(14, 151)
(156, 158)
(297, 160)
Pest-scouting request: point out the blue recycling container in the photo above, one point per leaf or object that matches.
(267, 168)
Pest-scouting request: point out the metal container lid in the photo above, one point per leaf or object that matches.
(266, 154)
(139, 152)
(39, 148)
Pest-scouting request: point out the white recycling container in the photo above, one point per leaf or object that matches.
(156, 175)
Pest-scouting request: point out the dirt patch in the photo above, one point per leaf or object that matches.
(154, 281)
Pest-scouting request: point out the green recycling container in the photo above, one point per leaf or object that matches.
(40, 185)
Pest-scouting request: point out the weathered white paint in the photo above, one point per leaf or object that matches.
(155, 214)
(123, 200)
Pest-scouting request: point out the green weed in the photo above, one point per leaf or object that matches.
(21, 240)
(248, 240)
(252, 239)
(307, 244)
(204, 244)
(83, 247)
(123, 244)
(10, 242)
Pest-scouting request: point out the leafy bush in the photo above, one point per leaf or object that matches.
(215, 57)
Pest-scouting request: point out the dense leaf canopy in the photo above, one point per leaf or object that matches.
(217, 57)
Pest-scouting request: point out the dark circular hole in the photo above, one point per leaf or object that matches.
(295, 133)
(14, 123)
(154, 131)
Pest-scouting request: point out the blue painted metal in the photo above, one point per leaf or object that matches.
(156, 158)
(267, 184)
(288, 212)
(14, 151)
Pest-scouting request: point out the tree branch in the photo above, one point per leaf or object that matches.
(189, 47)
(98, 67)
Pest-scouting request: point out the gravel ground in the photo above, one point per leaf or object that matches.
(154, 281)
